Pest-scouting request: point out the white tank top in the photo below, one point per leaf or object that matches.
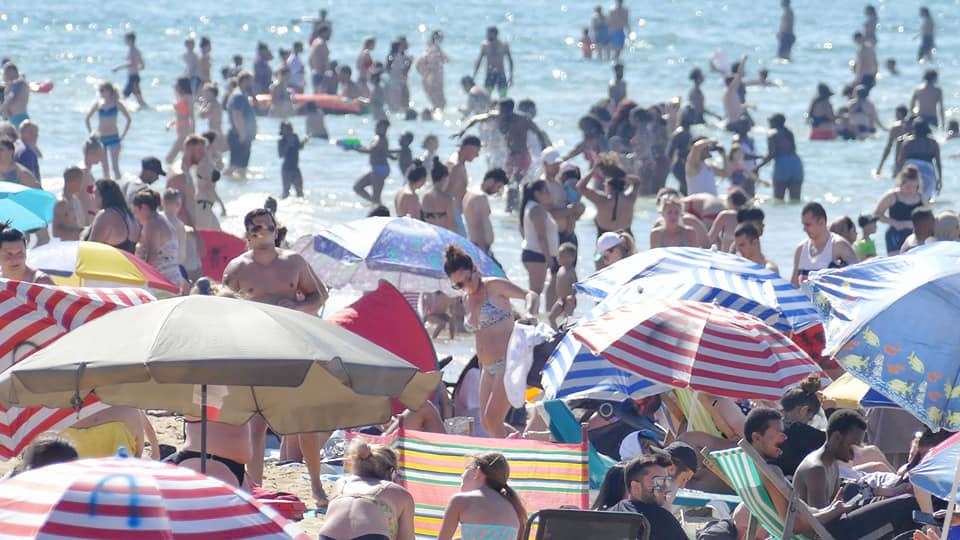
(703, 182)
(530, 239)
(809, 263)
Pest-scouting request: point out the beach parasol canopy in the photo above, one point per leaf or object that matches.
(405, 252)
(92, 264)
(303, 374)
(25, 208)
(219, 248)
(132, 498)
(703, 275)
(891, 322)
(698, 345)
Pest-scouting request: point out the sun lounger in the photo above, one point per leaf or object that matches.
(749, 476)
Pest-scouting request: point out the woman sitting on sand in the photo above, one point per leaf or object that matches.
(367, 504)
(486, 507)
(490, 316)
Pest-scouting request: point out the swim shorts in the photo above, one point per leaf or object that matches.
(381, 171)
(496, 79)
(133, 84)
(618, 38)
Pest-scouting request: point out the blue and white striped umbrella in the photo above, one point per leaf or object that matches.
(573, 372)
(708, 276)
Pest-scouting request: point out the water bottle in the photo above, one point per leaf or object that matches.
(349, 143)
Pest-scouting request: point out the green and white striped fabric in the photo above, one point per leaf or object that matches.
(747, 482)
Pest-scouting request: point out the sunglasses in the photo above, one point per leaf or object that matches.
(258, 228)
(459, 285)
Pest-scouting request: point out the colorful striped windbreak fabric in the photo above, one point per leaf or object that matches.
(546, 475)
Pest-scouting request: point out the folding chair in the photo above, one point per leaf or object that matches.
(745, 470)
(562, 524)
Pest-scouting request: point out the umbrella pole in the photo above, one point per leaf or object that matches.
(951, 505)
(203, 429)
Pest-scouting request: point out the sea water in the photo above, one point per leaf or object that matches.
(75, 43)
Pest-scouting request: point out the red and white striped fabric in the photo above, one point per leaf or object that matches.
(698, 345)
(31, 317)
(128, 498)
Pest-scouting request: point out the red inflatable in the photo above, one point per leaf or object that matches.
(219, 248)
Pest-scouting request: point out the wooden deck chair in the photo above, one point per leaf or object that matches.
(563, 524)
(746, 470)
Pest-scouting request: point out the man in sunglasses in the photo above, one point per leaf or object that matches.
(268, 274)
(648, 485)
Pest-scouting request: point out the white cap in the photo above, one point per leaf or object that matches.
(607, 241)
(550, 156)
(568, 166)
(630, 447)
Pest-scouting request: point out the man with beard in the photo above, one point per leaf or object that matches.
(648, 482)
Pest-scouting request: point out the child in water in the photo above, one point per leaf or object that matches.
(314, 121)
(405, 154)
(586, 44)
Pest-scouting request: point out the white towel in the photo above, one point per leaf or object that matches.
(520, 358)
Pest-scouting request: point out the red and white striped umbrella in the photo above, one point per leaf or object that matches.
(132, 499)
(31, 317)
(698, 345)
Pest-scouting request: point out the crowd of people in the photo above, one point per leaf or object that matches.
(629, 151)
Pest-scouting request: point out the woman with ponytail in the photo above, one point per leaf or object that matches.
(368, 505)
(539, 231)
(438, 205)
(486, 301)
(486, 508)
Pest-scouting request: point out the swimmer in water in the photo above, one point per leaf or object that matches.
(430, 68)
(379, 152)
(134, 65)
(618, 25)
(785, 36)
(927, 100)
(496, 53)
(927, 29)
(183, 119)
(16, 95)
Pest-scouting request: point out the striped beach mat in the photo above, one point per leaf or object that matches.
(545, 475)
(31, 317)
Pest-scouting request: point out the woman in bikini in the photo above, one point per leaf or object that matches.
(183, 116)
(490, 315)
(107, 107)
(114, 224)
(615, 203)
(368, 504)
(486, 508)
(407, 202)
(437, 205)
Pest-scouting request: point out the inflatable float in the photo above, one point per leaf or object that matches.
(327, 102)
(43, 87)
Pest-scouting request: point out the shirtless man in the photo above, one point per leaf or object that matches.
(478, 99)
(618, 26)
(495, 51)
(68, 211)
(515, 128)
(319, 58)
(927, 100)
(747, 245)
(458, 180)
(476, 210)
(13, 258)
(205, 63)
(275, 276)
(822, 249)
(194, 151)
(785, 36)
(733, 106)
(16, 95)
(134, 65)
(898, 129)
(379, 152)
(865, 65)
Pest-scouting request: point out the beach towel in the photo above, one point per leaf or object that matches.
(519, 359)
(565, 428)
(545, 475)
(31, 317)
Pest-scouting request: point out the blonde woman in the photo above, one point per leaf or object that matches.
(367, 504)
(107, 108)
(486, 508)
(672, 232)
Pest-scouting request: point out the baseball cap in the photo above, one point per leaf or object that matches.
(567, 166)
(153, 164)
(550, 156)
(683, 454)
(607, 241)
